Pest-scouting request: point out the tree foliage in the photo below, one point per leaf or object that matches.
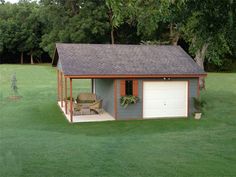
(208, 27)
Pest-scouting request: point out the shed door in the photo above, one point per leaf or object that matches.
(165, 99)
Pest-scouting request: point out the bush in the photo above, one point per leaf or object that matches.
(125, 101)
(199, 104)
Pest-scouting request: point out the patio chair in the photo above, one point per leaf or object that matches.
(96, 107)
(75, 107)
(86, 98)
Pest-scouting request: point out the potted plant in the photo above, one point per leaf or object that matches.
(125, 101)
(198, 105)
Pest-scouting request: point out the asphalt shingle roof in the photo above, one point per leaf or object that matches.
(106, 59)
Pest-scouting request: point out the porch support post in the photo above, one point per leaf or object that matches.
(92, 85)
(61, 90)
(65, 94)
(198, 88)
(71, 111)
(58, 86)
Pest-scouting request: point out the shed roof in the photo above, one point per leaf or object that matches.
(118, 60)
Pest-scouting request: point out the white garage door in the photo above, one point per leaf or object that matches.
(165, 99)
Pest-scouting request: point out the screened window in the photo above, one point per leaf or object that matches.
(128, 87)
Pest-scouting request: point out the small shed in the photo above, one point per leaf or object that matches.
(165, 79)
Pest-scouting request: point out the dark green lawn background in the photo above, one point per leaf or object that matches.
(37, 141)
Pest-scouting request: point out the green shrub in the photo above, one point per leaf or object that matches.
(125, 101)
(199, 104)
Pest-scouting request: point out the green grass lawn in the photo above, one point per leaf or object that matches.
(37, 141)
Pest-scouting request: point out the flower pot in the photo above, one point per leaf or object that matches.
(197, 115)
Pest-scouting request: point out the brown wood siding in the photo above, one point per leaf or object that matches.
(66, 94)
(122, 88)
(135, 87)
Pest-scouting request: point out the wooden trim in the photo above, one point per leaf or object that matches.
(142, 98)
(65, 95)
(62, 90)
(58, 86)
(198, 88)
(136, 76)
(188, 100)
(115, 99)
(122, 87)
(92, 85)
(135, 87)
(71, 111)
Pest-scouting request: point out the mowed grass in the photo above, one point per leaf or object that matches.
(37, 141)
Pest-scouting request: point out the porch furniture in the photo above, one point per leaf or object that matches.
(86, 104)
(86, 98)
(85, 111)
(96, 106)
(76, 108)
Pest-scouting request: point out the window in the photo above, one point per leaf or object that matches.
(128, 87)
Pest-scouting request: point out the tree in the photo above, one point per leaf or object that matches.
(146, 16)
(206, 30)
(14, 84)
(20, 28)
(88, 25)
(31, 31)
(115, 15)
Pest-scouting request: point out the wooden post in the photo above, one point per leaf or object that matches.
(92, 85)
(198, 88)
(61, 90)
(58, 85)
(66, 94)
(71, 111)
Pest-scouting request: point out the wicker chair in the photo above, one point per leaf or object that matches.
(86, 98)
(96, 107)
(76, 108)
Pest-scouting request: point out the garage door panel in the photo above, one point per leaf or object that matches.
(165, 99)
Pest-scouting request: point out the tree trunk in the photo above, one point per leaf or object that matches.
(73, 7)
(174, 35)
(175, 39)
(199, 58)
(200, 55)
(21, 58)
(110, 14)
(112, 35)
(171, 30)
(31, 58)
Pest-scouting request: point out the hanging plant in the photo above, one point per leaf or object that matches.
(125, 101)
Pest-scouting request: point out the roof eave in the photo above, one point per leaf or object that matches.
(136, 76)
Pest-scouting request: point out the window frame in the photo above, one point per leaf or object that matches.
(128, 87)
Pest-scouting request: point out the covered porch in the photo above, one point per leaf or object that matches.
(66, 101)
(104, 116)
